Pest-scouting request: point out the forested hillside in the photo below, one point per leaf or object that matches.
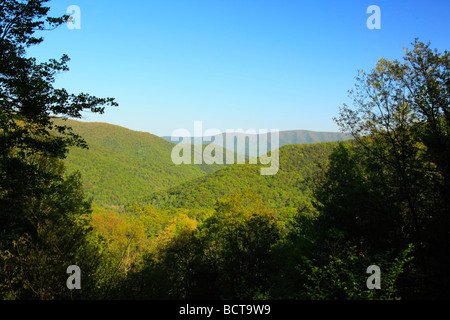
(288, 188)
(121, 164)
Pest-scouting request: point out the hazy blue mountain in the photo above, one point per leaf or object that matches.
(246, 141)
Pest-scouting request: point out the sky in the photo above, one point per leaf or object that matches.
(232, 64)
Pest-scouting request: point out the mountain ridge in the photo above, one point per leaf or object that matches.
(285, 137)
(123, 165)
(289, 187)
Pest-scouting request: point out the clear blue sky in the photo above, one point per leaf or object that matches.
(248, 64)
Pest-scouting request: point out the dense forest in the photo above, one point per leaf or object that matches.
(121, 165)
(154, 230)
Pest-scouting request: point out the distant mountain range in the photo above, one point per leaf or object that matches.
(285, 138)
(122, 165)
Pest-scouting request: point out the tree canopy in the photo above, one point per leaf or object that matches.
(43, 213)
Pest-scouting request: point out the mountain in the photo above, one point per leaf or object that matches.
(285, 138)
(121, 164)
(289, 187)
(124, 166)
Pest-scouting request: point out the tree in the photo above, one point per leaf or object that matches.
(400, 120)
(34, 263)
(344, 276)
(28, 101)
(227, 254)
(170, 268)
(357, 205)
(34, 203)
(238, 239)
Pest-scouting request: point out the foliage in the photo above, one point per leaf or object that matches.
(238, 240)
(225, 255)
(43, 213)
(402, 108)
(27, 97)
(344, 277)
(122, 165)
(34, 261)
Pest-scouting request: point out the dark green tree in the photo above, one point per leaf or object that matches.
(34, 263)
(400, 121)
(238, 239)
(31, 143)
(28, 101)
